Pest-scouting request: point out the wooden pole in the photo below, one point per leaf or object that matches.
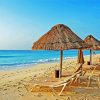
(90, 56)
(61, 58)
(78, 60)
(80, 56)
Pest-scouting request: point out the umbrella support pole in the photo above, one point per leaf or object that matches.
(61, 58)
(80, 56)
(90, 56)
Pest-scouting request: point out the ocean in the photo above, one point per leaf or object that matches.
(12, 59)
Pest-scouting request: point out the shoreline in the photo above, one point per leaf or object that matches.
(8, 68)
(18, 67)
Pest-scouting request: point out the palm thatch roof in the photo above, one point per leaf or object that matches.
(93, 42)
(60, 37)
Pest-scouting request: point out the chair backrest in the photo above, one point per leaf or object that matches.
(73, 76)
(79, 68)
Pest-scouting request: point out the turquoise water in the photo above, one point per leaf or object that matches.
(11, 59)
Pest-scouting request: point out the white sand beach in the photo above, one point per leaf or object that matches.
(12, 88)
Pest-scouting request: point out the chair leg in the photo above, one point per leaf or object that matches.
(89, 82)
(62, 89)
(65, 86)
(76, 79)
(72, 80)
(79, 81)
(53, 90)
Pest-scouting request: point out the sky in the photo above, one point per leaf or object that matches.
(22, 22)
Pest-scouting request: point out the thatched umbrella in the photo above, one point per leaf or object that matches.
(94, 43)
(60, 37)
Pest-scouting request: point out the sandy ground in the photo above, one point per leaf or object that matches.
(12, 82)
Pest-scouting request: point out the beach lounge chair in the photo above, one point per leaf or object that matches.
(66, 82)
(91, 77)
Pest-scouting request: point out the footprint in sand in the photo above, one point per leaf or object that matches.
(14, 85)
(8, 86)
(19, 83)
(35, 76)
(21, 94)
(19, 87)
(39, 95)
(4, 84)
(19, 91)
(10, 81)
(4, 89)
